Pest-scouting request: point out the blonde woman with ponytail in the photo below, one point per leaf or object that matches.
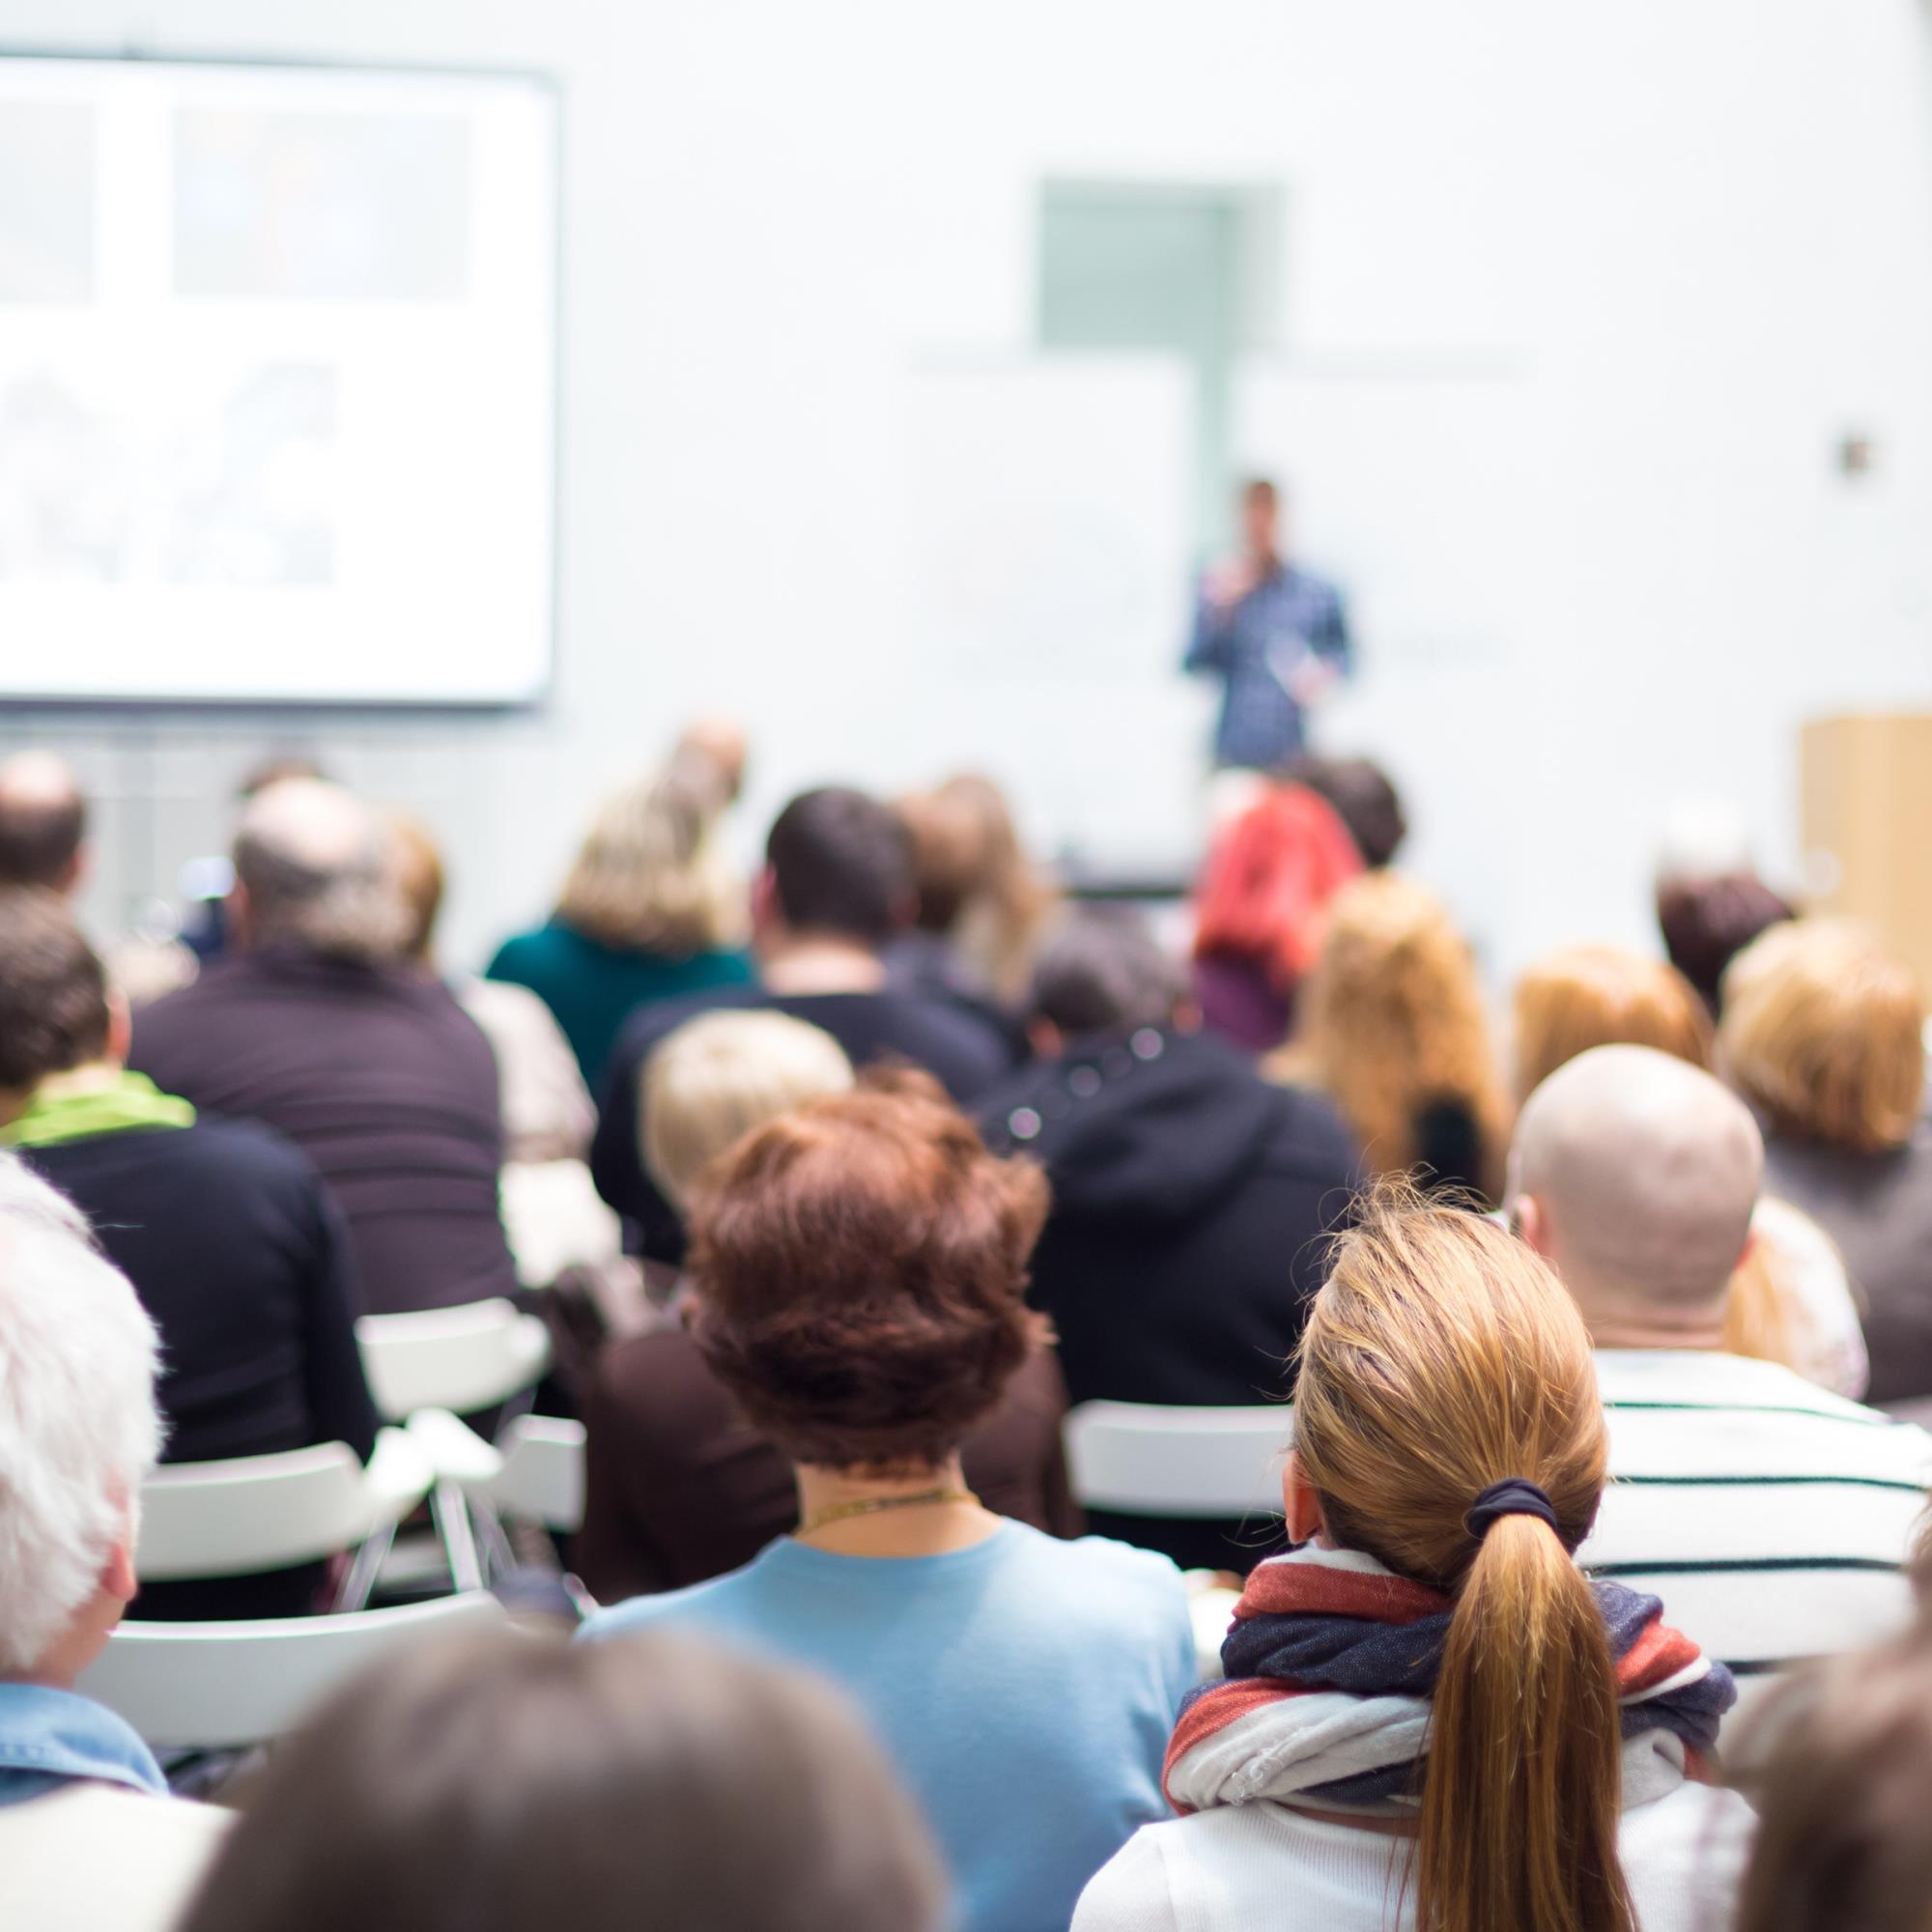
(1430, 1718)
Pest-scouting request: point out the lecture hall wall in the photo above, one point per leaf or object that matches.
(1576, 304)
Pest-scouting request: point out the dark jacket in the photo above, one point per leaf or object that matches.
(678, 1489)
(1190, 1202)
(237, 1254)
(1878, 1207)
(965, 1051)
(382, 1079)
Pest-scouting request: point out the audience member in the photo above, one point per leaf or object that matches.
(679, 1487)
(981, 904)
(548, 1112)
(1190, 1199)
(1778, 1516)
(224, 1229)
(1365, 798)
(1708, 918)
(43, 824)
(838, 883)
(1393, 1027)
(1790, 1300)
(88, 1836)
(1584, 996)
(503, 1784)
(1824, 1035)
(1842, 1843)
(857, 1271)
(643, 917)
(312, 1025)
(1261, 904)
(1430, 1717)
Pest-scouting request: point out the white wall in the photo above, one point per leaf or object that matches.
(1578, 300)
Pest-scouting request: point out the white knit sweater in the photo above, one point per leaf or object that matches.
(1264, 1868)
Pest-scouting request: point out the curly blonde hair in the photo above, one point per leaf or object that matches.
(645, 879)
(1392, 1025)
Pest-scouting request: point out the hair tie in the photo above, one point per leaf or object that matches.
(1515, 1495)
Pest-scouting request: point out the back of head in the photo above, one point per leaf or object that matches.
(1365, 799)
(53, 992)
(1636, 1173)
(710, 1082)
(43, 822)
(1841, 1838)
(1441, 1359)
(1104, 971)
(78, 1426)
(641, 880)
(503, 1782)
(1824, 1034)
(860, 1268)
(1269, 881)
(1708, 919)
(1587, 996)
(840, 864)
(312, 860)
(1393, 1025)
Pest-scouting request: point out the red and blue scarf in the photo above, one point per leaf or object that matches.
(1331, 1662)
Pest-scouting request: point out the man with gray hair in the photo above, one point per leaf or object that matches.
(316, 1026)
(1771, 1516)
(87, 1834)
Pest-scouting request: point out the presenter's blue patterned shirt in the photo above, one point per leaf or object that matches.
(1255, 646)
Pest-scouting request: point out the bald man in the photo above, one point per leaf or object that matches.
(1771, 1516)
(43, 824)
(313, 1023)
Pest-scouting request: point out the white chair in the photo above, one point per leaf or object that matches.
(463, 1358)
(533, 1471)
(251, 1514)
(219, 1686)
(1143, 1458)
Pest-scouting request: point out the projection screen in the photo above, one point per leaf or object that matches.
(277, 384)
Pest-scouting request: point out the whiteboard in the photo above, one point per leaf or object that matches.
(277, 384)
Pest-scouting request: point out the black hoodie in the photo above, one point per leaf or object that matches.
(1191, 1198)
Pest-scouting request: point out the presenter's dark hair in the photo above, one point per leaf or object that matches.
(54, 993)
(842, 862)
(502, 1783)
(1261, 489)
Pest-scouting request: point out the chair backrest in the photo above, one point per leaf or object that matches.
(252, 1514)
(542, 1477)
(1141, 1459)
(457, 1358)
(216, 1686)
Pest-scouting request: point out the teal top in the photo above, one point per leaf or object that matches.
(593, 988)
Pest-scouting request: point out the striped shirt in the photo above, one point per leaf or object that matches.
(1771, 1515)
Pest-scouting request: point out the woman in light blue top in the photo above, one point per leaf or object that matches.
(857, 1271)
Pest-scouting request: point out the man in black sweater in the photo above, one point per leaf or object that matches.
(224, 1228)
(314, 1026)
(1191, 1198)
(837, 882)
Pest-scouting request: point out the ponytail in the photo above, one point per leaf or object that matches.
(1446, 1387)
(1524, 1784)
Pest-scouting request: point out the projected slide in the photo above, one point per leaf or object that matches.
(276, 384)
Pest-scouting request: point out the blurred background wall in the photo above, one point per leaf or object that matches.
(1554, 319)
